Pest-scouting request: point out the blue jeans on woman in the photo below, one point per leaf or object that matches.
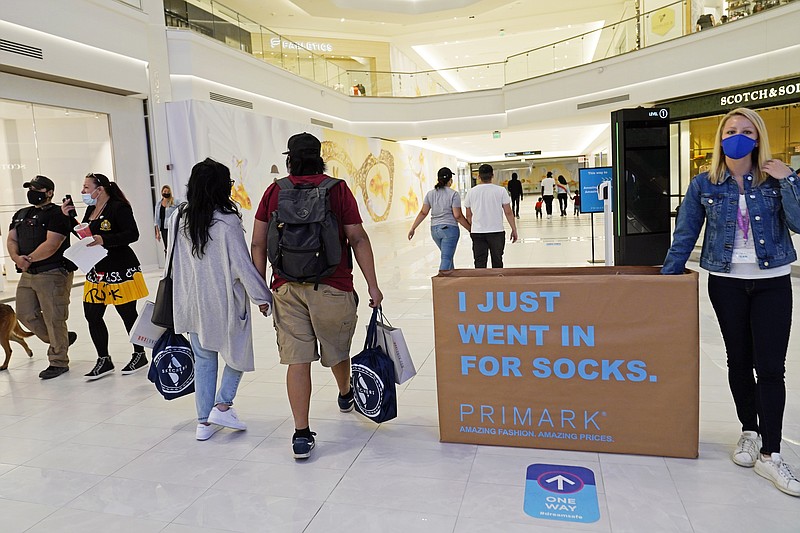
(206, 395)
(446, 238)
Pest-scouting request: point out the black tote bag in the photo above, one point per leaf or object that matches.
(373, 384)
(162, 310)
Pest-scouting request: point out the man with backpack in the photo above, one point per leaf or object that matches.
(306, 226)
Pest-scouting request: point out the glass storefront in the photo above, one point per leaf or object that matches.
(783, 128)
(60, 143)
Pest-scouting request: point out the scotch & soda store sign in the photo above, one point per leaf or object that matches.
(601, 359)
(756, 96)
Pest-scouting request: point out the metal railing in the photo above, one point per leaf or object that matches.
(219, 22)
(631, 33)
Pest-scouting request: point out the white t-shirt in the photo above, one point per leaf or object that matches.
(547, 186)
(486, 200)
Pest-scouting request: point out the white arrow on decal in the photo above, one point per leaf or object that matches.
(560, 479)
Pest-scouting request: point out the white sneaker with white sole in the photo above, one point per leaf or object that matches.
(747, 449)
(228, 418)
(204, 432)
(775, 470)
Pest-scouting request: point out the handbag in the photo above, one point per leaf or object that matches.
(144, 332)
(394, 344)
(162, 310)
(373, 383)
(172, 367)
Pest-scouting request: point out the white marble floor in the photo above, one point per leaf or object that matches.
(112, 455)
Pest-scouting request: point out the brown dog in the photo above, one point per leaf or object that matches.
(10, 330)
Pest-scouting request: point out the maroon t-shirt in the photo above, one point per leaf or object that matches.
(343, 205)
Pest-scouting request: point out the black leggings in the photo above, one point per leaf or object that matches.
(97, 326)
(755, 317)
(562, 203)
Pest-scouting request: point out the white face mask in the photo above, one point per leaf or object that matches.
(88, 199)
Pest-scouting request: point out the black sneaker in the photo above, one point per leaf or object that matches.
(302, 446)
(72, 336)
(138, 361)
(53, 372)
(103, 367)
(346, 401)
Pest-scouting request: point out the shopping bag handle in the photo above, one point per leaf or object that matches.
(372, 330)
(382, 317)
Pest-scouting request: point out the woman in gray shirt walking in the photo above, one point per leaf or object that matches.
(444, 204)
(214, 281)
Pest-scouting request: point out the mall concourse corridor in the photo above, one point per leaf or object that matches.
(112, 455)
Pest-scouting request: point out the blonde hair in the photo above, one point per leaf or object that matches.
(760, 155)
(171, 199)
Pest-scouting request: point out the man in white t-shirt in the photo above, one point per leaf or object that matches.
(486, 204)
(547, 185)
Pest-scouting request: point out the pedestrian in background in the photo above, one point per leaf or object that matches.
(164, 209)
(515, 191)
(116, 280)
(486, 204)
(36, 241)
(444, 204)
(547, 187)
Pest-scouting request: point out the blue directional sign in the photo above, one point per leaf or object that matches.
(560, 492)
(588, 181)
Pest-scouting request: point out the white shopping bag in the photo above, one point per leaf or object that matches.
(144, 332)
(394, 344)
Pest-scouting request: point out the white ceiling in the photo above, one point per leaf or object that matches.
(438, 34)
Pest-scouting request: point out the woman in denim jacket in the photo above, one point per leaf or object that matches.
(748, 202)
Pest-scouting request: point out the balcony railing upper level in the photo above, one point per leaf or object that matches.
(631, 33)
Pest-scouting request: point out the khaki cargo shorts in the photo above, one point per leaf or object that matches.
(314, 325)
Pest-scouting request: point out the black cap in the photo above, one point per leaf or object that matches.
(303, 144)
(445, 172)
(40, 182)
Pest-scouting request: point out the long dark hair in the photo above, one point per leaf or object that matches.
(209, 190)
(297, 165)
(562, 180)
(112, 189)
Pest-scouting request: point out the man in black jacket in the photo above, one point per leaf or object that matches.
(515, 191)
(36, 242)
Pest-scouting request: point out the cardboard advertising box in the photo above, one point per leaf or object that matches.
(602, 359)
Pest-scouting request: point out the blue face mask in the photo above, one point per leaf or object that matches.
(738, 146)
(88, 200)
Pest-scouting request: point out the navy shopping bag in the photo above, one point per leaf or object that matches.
(373, 378)
(172, 367)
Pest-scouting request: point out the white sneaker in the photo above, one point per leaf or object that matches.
(747, 449)
(204, 432)
(226, 418)
(775, 470)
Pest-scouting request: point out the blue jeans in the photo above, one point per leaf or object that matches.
(446, 238)
(206, 395)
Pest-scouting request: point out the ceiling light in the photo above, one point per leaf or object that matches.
(341, 19)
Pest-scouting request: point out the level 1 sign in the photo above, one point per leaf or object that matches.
(560, 492)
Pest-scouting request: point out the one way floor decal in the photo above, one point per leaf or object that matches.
(560, 492)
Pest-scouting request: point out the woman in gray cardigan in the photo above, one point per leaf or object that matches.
(214, 281)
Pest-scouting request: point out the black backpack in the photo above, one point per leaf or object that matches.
(303, 233)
